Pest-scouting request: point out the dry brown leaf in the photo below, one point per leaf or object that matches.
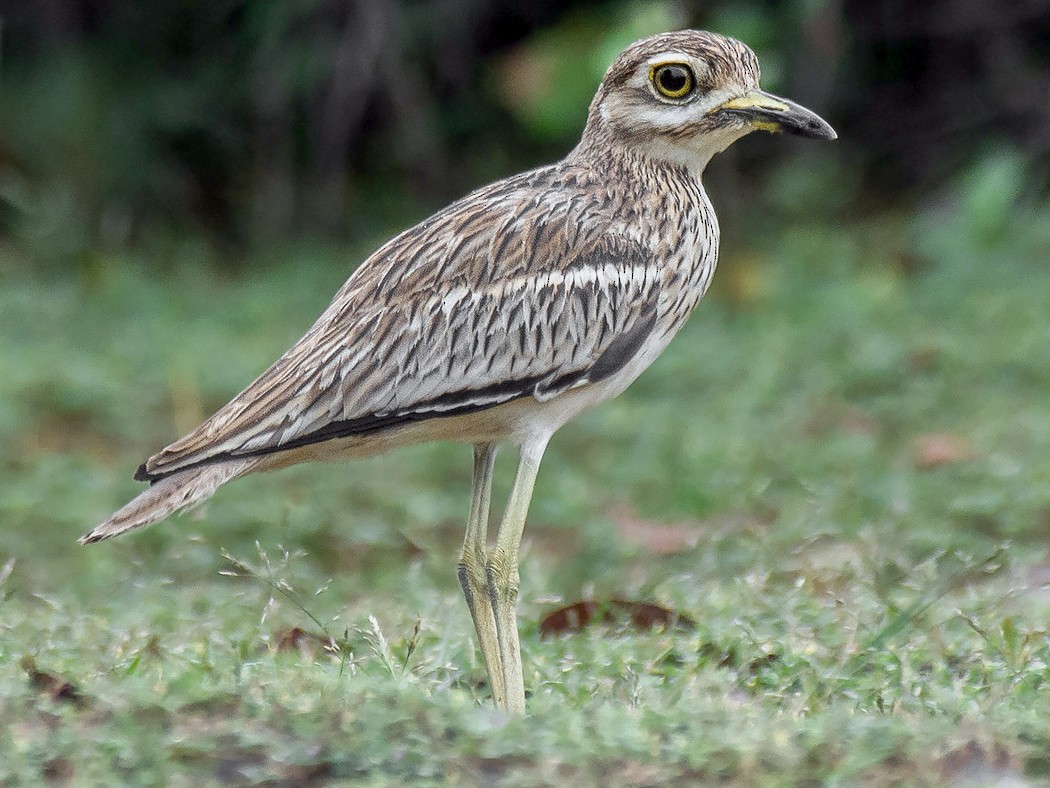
(941, 448)
(55, 687)
(972, 764)
(57, 770)
(640, 615)
(308, 644)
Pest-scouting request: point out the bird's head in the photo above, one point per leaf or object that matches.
(687, 95)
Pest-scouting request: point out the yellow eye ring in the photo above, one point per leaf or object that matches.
(672, 80)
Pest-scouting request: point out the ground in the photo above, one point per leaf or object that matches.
(838, 474)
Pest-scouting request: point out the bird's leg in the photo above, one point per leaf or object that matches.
(472, 562)
(501, 571)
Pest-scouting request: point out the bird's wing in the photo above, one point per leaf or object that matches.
(459, 314)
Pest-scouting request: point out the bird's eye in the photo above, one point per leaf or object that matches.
(673, 80)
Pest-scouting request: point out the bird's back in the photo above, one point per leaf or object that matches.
(532, 286)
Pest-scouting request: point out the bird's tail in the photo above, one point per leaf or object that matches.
(169, 494)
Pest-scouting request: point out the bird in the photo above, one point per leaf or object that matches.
(504, 315)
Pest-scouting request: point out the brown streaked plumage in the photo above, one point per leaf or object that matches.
(504, 315)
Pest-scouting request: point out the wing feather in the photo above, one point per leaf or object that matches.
(551, 304)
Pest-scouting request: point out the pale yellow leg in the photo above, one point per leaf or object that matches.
(501, 571)
(472, 563)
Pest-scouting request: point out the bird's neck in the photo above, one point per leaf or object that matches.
(632, 163)
(603, 148)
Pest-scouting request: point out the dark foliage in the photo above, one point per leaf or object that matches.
(257, 121)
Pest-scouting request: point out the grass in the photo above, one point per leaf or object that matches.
(839, 471)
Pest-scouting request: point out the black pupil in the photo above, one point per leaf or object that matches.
(673, 79)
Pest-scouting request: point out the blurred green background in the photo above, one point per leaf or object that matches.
(238, 125)
(840, 470)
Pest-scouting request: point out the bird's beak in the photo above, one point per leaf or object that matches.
(771, 113)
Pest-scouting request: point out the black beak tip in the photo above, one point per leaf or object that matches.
(814, 127)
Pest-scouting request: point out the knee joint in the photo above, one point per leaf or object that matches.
(502, 575)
